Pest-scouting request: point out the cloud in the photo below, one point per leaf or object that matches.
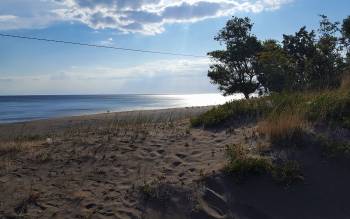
(128, 16)
(107, 42)
(161, 68)
(162, 76)
(28, 14)
(7, 17)
(150, 16)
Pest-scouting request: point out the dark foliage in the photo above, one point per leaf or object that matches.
(306, 60)
(234, 69)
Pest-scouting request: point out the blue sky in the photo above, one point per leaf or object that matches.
(179, 26)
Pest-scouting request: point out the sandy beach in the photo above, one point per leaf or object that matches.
(94, 165)
(149, 164)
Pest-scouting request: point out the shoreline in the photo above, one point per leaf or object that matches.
(103, 113)
(59, 124)
(32, 108)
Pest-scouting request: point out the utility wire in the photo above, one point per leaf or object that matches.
(99, 46)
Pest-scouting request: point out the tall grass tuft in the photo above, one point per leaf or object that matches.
(284, 130)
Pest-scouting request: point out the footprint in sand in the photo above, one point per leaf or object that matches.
(192, 169)
(91, 205)
(176, 163)
(181, 156)
(160, 151)
(154, 154)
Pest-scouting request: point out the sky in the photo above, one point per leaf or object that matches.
(176, 26)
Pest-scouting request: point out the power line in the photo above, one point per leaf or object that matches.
(99, 46)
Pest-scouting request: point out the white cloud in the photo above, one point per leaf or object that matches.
(129, 16)
(7, 17)
(25, 14)
(161, 68)
(150, 16)
(163, 76)
(107, 42)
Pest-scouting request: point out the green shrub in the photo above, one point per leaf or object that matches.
(287, 173)
(243, 165)
(232, 111)
(331, 107)
(249, 166)
(334, 148)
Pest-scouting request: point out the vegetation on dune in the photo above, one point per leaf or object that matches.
(298, 109)
(302, 82)
(334, 148)
(232, 111)
(287, 130)
(241, 164)
(287, 121)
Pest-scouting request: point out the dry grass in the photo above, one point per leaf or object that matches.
(12, 148)
(10, 151)
(284, 129)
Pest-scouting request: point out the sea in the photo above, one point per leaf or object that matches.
(35, 107)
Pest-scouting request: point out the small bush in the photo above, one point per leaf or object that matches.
(331, 107)
(287, 173)
(232, 111)
(242, 165)
(148, 191)
(334, 148)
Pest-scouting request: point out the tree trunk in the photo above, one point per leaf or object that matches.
(246, 96)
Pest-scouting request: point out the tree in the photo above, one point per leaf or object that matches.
(235, 68)
(327, 64)
(301, 48)
(276, 67)
(345, 30)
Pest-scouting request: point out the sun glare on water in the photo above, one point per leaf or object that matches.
(202, 99)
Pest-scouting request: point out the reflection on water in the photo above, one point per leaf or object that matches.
(25, 108)
(198, 99)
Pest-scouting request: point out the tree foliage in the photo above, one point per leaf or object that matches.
(234, 68)
(306, 60)
(327, 65)
(276, 67)
(301, 48)
(345, 30)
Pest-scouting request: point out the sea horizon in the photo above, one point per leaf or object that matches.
(22, 108)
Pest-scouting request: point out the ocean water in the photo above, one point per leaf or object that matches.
(26, 108)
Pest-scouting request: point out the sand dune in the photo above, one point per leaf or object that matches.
(149, 164)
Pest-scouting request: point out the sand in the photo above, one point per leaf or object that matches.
(95, 164)
(150, 164)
